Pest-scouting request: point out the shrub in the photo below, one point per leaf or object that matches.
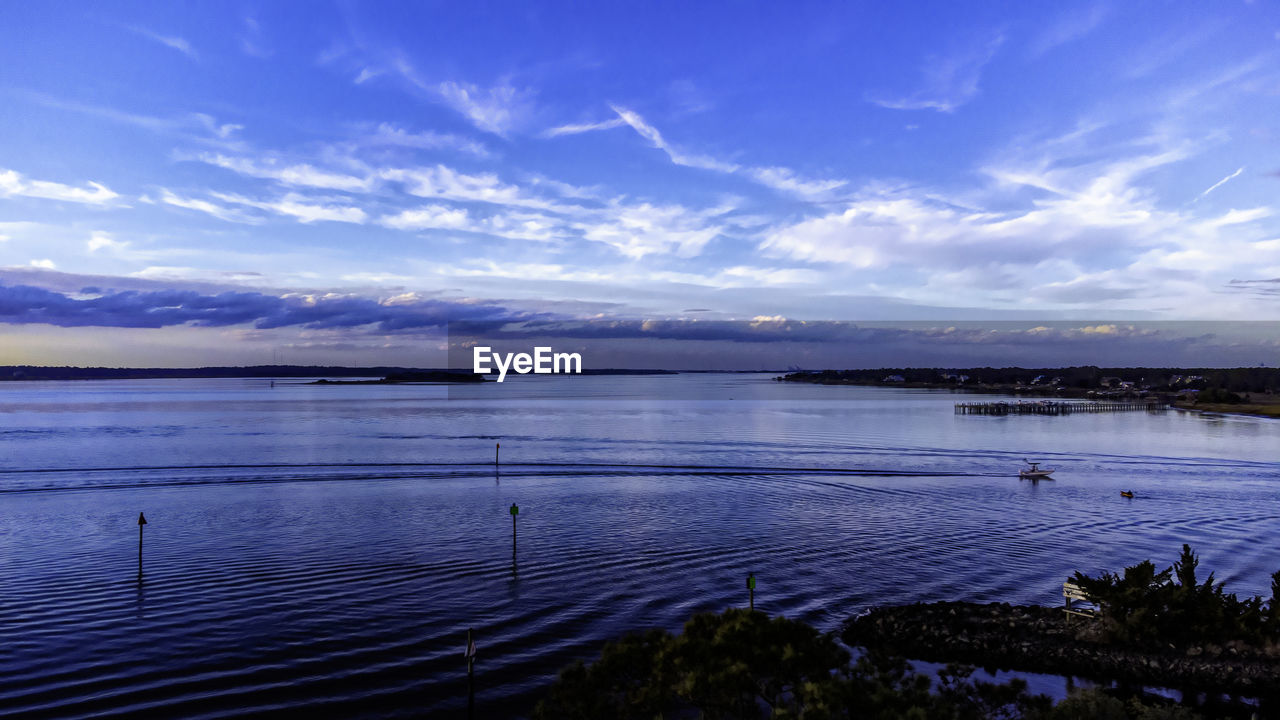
(744, 664)
(1146, 608)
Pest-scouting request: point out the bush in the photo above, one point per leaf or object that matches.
(744, 664)
(1145, 609)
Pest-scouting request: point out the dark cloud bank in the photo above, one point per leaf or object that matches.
(673, 343)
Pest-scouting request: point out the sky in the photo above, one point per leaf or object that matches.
(235, 183)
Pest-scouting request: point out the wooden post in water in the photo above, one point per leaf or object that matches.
(471, 664)
(496, 447)
(142, 520)
(514, 512)
(751, 590)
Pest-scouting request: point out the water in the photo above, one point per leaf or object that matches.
(326, 548)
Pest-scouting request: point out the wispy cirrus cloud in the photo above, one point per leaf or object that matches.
(778, 178)
(300, 208)
(221, 212)
(679, 157)
(173, 42)
(392, 135)
(297, 174)
(253, 41)
(498, 109)
(1071, 25)
(199, 127)
(579, 128)
(12, 183)
(1220, 183)
(949, 81)
(787, 181)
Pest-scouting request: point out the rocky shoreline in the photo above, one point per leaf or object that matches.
(1041, 639)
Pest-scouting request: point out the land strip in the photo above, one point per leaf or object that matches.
(1041, 639)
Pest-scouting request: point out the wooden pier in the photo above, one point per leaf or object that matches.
(1048, 407)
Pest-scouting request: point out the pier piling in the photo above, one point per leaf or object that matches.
(1049, 407)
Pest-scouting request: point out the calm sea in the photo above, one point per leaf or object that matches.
(326, 548)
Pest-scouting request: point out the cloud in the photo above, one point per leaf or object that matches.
(170, 41)
(387, 134)
(786, 180)
(219, 211)
(26, 304)
(778, 178)
(1070, 26)
(253, 40)
(497, 109)
(745, 276)
(222, 131)
(303, 175)
(1068, 230)
(1161, 50)
(645, 229)
(297, 206)
(650, 133)
(200, 127)
(1219, 184)
(44, 264)
(100, 240)
(577, 129)
(430, 217)
(1262, 289)
(354, 318)
(511, 225)
(949, 80)
(440, 182)
(13, 184)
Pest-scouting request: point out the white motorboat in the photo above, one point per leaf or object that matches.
(1034, 472)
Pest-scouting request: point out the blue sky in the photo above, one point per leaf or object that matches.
(171, 174)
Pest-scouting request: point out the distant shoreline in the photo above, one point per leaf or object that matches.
(265, 372)
(1235, 391)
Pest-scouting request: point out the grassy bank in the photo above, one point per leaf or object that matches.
(1270, 410)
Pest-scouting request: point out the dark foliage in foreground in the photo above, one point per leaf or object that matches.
(743, 664)
(1143, 608)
